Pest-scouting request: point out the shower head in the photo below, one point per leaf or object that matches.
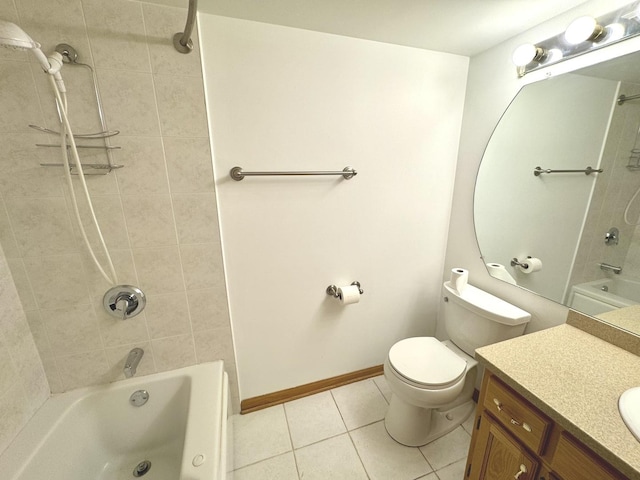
(12, 36)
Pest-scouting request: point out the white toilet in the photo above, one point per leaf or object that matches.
(432, 382)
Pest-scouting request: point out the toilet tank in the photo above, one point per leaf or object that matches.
(475, 318)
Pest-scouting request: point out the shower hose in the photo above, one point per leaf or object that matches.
(67, 135)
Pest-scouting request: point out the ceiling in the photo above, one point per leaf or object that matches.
(464, 27)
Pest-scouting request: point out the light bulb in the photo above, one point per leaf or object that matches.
(583, 29)
(527, 53)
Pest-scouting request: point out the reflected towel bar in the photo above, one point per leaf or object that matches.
(238, 174)
(624, 98)
(587, 171)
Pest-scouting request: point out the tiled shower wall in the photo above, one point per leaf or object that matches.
(614, 187)
(158, 213)
(23, 385)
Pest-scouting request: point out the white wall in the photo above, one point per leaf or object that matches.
(492, 84)
(286, 99)
(556, 124)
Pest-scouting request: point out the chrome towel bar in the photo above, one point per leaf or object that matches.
(587, 171)
(238, 174)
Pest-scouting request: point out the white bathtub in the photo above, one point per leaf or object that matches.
(96, 434)
(604, 295)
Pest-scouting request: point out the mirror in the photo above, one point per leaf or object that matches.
(575, 233)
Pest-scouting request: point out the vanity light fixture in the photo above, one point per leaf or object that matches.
(584, 29)
(526, 54)
(583, 35)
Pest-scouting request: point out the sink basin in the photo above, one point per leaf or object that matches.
(629, 406)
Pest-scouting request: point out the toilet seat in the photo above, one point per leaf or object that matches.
(425, 361)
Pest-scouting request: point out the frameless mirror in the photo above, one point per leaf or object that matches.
(545, 218)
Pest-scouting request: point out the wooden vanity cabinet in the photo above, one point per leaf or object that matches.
(512, 439)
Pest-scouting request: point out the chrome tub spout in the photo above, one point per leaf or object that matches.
(132, 362)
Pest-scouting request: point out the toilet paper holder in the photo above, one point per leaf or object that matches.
(515, 261)
(332, 290)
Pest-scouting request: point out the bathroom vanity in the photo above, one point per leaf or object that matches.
(548, 409)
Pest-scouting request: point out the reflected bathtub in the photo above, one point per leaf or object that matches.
(604, 295)
(97, 433)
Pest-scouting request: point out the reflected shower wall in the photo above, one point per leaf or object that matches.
(612, 191)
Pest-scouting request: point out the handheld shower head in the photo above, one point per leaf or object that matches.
(12, 36)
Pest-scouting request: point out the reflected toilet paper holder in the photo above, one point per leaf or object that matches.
(332, 290)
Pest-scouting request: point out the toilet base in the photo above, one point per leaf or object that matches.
(415, 426)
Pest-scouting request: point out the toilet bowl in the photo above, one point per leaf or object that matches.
(432, 382)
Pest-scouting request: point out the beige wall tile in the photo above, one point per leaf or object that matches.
(145, 171)
(196, 218)
(16, 97)
(20, 171)
(110, 215)
(173, 352)
(13, 415)
(208, 308)
(114, 28)
(129, 102)
(83, 369)
(8, 374)
(23, 386)
(181, 106)
(159, 270)
(161, 25)
(189, 164)
(72, 330)
(201, 266)
(39, 332)
(7, 240)
(23, 285)
(41, 225)
(150, 220)
(53, 375)
(168, 315)
(57, 281)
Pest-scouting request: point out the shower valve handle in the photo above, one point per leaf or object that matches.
(122, 306)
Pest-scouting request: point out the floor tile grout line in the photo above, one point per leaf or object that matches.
(339, 411)
(359, 457)
(379, 389)
(295, 459)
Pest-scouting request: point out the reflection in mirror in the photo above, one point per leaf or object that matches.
(583, 228)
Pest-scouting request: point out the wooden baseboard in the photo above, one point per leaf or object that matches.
(276, 398)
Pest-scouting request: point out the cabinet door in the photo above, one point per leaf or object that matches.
(497, 456)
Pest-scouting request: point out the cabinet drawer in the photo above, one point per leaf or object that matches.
(573, 461)
(518, 416)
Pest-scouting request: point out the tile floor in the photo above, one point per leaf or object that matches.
(339, 434)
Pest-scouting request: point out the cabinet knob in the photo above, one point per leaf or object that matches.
(523, 469)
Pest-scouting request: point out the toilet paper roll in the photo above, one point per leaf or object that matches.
(349, 294)
(497, 270)
(459, 278)
(533, 265)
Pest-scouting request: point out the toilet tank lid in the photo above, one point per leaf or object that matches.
(487, 305)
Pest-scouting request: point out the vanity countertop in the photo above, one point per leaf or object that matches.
(576, 379)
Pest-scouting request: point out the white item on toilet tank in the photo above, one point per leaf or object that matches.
(475, 318)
